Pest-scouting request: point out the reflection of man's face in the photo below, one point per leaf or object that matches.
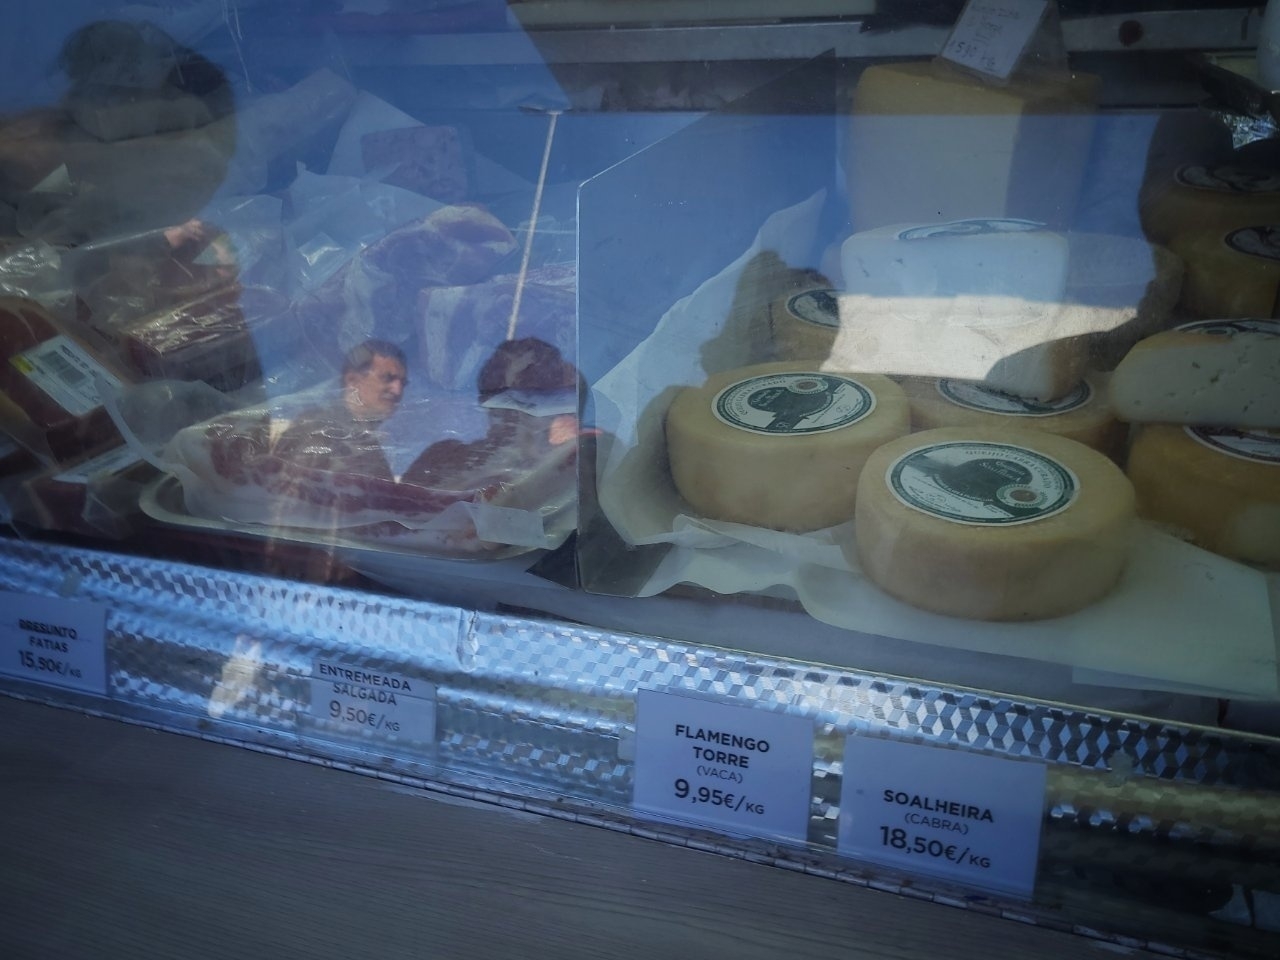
(373, 394)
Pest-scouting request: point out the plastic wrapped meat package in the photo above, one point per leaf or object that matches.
(49, 383)
(445, 476)
(1171, 596)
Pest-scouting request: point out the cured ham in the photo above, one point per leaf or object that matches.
(314, 468)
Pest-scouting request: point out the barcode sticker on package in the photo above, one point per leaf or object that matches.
(66, 373)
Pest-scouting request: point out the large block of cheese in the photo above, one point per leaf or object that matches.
(779, 445)
(1218, 487)
(992, 524)
(1215, 198)
(1209, 373)
(1030, 348)
(1232, 274)
(989, 256)
(929, 142)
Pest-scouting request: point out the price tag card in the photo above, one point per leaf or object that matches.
(970, 818)
(991, 35)
(360, 702)
(59, 642)
(738, 769)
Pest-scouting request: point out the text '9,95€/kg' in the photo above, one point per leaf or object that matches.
(743, 770)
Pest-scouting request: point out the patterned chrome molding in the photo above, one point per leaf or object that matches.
(543, 713)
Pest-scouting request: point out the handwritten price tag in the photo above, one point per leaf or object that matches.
(992, 35)
(358, 702)
(57, 642)
(969, 818)
(738, 769)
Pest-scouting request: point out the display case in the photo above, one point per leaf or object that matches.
(843, 438)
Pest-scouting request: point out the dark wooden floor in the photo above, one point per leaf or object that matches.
(122, 843)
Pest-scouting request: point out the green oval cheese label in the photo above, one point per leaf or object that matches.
(793, 404)
(1257, 446)
(982, 484)
(1263, 241)
(1229, 328)
(818, 307)
(1228, 179)
(970, 228)
(976, 397)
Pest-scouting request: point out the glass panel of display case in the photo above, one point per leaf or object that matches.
(412, 385)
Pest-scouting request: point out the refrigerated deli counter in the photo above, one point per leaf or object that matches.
(841, 438)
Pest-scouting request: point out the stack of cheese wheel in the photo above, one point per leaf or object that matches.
(1206, 460)
(779, 445)
(1083, 415)
(992, 524)
(1224, 223)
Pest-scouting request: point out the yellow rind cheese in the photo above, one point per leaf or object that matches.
(804, 323)
(1044, 566)
(1209, 199)
(1227, 503)
(1083, 415)
(1234, 274)
(797, 479)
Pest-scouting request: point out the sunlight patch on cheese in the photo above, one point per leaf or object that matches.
(1209, 373)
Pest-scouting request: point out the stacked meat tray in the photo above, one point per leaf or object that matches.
(181, 290)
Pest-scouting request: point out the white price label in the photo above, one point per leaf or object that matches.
(969, 818)
(58, 642)
(62, 369)
(739, 769)
(991, 35)
(357, 701)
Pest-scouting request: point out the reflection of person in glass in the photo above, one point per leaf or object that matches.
(374, 376)
(347, 433)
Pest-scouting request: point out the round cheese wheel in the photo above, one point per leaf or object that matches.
(1234, 274)
(1217, 487)
(1082, 415)
(804, 323)
(1212, 199)
(779, 445)
(992, 524)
